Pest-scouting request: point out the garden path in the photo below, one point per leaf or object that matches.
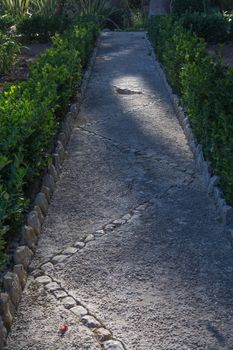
(147, 257)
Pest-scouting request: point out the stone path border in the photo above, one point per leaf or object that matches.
(212, 181)
(15, 280)
(103, 335)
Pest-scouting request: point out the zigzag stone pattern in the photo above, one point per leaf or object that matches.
(43, 276)
(102, 334)
(60, 257)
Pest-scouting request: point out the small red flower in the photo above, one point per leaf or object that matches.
(63, 328)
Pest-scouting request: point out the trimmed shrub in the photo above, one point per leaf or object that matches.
(179, 7)
(224, 5)
(30, 113)
(206, 89)
(6, 22)
(214, 28)
(9, 50)
(41, 27)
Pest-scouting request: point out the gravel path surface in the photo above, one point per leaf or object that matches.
(147, 260)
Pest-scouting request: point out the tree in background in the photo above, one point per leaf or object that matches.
(224, 5)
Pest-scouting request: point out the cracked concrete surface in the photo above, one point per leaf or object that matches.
(162, 279)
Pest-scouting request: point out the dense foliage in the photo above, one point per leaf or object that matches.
(213, 27)
(39, 27)
(15, 7)
(9, 50)
(224, 5)
(206, 89)
(179, 7)
(6, 22)
(30, 113)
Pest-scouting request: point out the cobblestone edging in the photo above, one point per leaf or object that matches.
(212, 181)
(15, 280)
(44, 275)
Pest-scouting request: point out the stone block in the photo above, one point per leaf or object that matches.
(3, 335)
(34, 221)
(12, 286)
(6, 310)
(22, 274)
(41, 200)
(23, 255)
(49, 182)
(29, 236)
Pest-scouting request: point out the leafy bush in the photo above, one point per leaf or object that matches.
(16, 7)
(81, 39)
(206, 89)
(179, 7)
(174, 50)
(30, 113)
(100, 10)
(224, 5)
(6, 22)
(9, 50)
(229, 18)
(41, 27)
(213, 27)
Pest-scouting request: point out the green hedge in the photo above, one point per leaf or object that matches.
(30, 113)
(6, 22)
(41, 28)
(179, 7)
(206, 89)
(9, 51)
(213, 27)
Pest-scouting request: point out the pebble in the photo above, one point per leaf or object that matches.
(90, 321)
(79, 244)
(37, 273)
(113, 345)
(99, 232)
(103, 334)
(51, 287)
(89, 238)
(126, 217)
(69, 302)
(59, 294)
(142, 207)
(110, 227)
(70, 251)
(59, 258)
(43, 279)
(119, 222)
(48, 267)
(79, 311)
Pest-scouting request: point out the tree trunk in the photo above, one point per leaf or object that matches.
(60, 7)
